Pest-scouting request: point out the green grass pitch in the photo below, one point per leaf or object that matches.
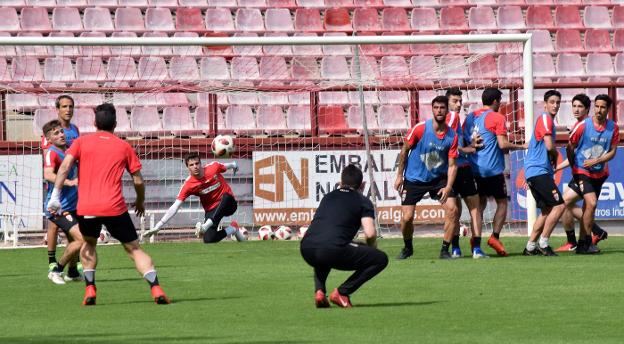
(262, 292)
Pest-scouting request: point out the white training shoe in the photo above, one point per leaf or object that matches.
(56, 277)
(238, 235)
(198, 230)
(78, 278)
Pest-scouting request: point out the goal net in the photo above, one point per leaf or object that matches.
(300, 108)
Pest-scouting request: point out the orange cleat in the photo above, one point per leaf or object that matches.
(567, 247)
(159, 296)
(598, 238)
(320, 299)
(497, 245)
(342, 301)
(89, 298)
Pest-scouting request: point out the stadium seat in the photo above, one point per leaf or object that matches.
(63, 50)
(84, 119)
(483, 48)
(123, 99)
(370, 97)
(593, 92)
(568, 40)
(339, 3)
(618, 40)
(333, 98)
(424, 19)
(123, 127)
(337, 50)
(308, 19)
(599, 64)
(334, 68)
(619, 65)
(214, 68)
(398, 3)
(539, 17)
(193, 3)
(152, 68)
(510, 66)
(273, 68)
(510, 18)
(29, 50)
(97, 19)
(272, 98)
(100, 51)
(58, 69)
(331, 121)
(366, 19)
(190, 19)
(424, 49)
(368, 3)
(152, 50)
(125, 50)
(278, 19)
(570, 65)
(41, 117)
(310, 3)
(251, 3)
(202, 119)
(22, 102)
(453, 18)
(66, 19)
(306, 50)
(102, 3)
(187, 50)
(393, 68)
(159, 19)
(299, 98)
(89, 100)
(542, 41)
(121, 68)
(145, 120)
(392, 119)
(5, 73)
(129, 19)
(10, 22)
(368, 68)
(26, 68)
(271, 119)
(219, 19)
(249, 19)
(304, 68)
(483, 69)
(455, 67)
(482, 18)
(247, 50)
(133, 3)
(394, 97)
(277, 50)
(177, 121)
(394, 19)
(423, 67)
(183, 69)
(35, 19)
(162, 3)
(597, 17)
(298, 119)
(567, 16)
(337, 19)
(618, 16)
(354, 118)
(245, 68)
(597, 40)
(240, 120)
(150, 99)
(543, 66)
(41, 3)
(369, 49)
(222, 3)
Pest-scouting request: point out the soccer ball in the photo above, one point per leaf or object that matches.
(244, 232)
(265, 233)
(222, 146)
(104, 237)
(283, 233)
(463, 230)
(302, 231)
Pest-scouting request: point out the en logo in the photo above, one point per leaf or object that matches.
(282, 168)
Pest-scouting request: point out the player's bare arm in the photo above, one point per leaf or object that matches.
(50, 176)
(398, 183)
(54, 205)
(450, 180)
(504, 144)
(551, 149)
(139, 188)
(602, 159)
(370, 233)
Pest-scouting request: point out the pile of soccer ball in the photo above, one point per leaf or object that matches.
(266, 232)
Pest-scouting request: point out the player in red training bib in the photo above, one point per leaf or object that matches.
(215, 195)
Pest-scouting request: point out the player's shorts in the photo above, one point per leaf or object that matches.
(582, 184)
(413, 192)
(493, 186)
(120, 227)
(545, 191)
(464, 185)
(66, 221)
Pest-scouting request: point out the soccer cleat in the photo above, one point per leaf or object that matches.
(320, 299)
(89, 298)
(77, 278)
(405, 253)
(592, 249)
(598, 238)
(497, 245)
(339, 300)
(533, 252)
(159, 296)
(51, 266)
(445, 255)
(567, 247)
(456, 252)
(477, 253)
(79, 267)
(547, 251)
(238, 235)
(56, 277)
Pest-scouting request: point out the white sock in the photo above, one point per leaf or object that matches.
(229, 230)
(543, 242)
(530, 246)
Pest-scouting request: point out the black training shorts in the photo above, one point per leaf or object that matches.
(413, 192)
(545, 191)
(582, 184)
(120, 227)
(66, 221)
(493, 186)
(464, 185)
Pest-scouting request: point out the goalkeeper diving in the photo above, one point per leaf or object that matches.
(215, 195)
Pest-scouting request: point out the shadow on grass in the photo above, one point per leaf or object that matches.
(105, 338)
(174, 300)
(397, 304)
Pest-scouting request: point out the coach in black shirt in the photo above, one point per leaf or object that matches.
(328, 242)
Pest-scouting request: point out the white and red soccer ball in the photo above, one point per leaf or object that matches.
(302, 231)
(244, 232)
(265, 233)
(104, 237)
(222, 146)
(283, 233)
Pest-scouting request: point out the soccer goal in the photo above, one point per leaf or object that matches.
(299, 107)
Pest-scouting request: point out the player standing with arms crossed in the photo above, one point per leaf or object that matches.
(103, 158)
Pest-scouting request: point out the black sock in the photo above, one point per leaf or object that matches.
(72, 271)
(51, 257)
(408, 244)
(476, 242)
(151, 278)
(496, 235)
(455, 241)
(597, 230)
(445, 246)
(571, 237)
(588, 240)
(59, 267)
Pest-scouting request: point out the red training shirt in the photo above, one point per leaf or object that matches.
(210, 188)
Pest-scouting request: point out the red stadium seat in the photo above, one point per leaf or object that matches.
(367, 3)
(66, 19)
(281, 3)
(247, 50)
(222, 3)
(423, 68)
(370, 97)
(311, 3)
(334, 68)
(308, 19)
(424, 49)
(539, 17)
(102, 3)
(88, 99)
(26, 68)
(177, 121)
(393, 68)
(245, 68)
(273, 68)
(193, 3)
(35, 19)
(251, 3)
(568, 40)
(100, 51)
(482, 18)
(453, 18)
(193, 50)
(132, 3)
(145, 120)
(354, 118)
(483, 48)
(248, 19)
(129, 19)
(618, 40)
(568, 16)
(424, 19)
(125, 50)
(337, 19)
(598, 40)
(306, 50)
(298, 119)
(510, 18)
(159, 19)
(190, 19)
(484, 68)
(214, 68)
(455, 67)
(277, 50)
(183, 69)
(123, 127)
(369, 69)
(366, 19)
(90, 69)
(240, 120)
(203, 120)
(150, 99)
(121, 68)
(597, 17)
(337, 50)
(271, 119)
(454, 2)
(392, 119)
(278, 19)
(543, 66)
(151, 50)
(570, 65)
(84, 119)
(58, 69)
(22, 102)
(395, 49)
(43, 116)
(394, 19)
(542, 41)
(369, 49)
(97, 19)
(618, 16)
(10, 21)
(123, 99)
(153, 68)
(63, 50)
(5, 74)
(331, 120)
(510, 66)
(333, 98)
(393, 97)
(599, 64)
(305, 68)
(398, 3)
(219, 19)
(25, 50)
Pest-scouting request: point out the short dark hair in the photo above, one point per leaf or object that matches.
(453, 91)
(583, 98)
(604, 97)
(51, 125)
(189, 157)
(105, 117)
(440, 100)
(351, 176)
(490, 95)
(551, 93)
(57, 103)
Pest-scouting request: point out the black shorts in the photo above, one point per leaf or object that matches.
(227, 206)
(66, 221)
(582, 184)
(413, 192)
(120, 227)
(464, 185)
(493, 186)
(545, 191)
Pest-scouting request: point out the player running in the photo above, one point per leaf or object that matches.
(215, 195)
(488, 162)
(580, 110)
(67, 221)
(464, 185)
(102, 158)
(538, 165)
(427, 165)
(593, 142)
(328, 242)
